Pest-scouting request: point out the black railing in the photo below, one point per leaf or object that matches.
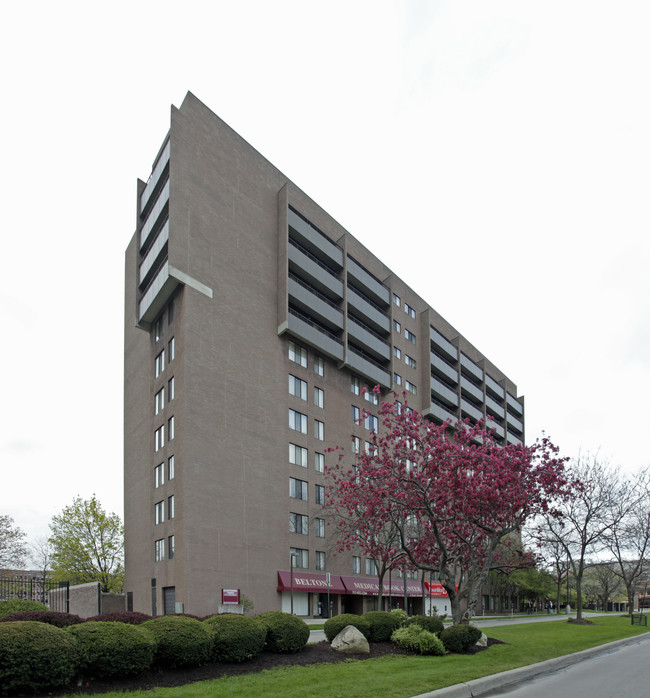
(36, 589)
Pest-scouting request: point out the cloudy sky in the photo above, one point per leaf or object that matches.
(505, 143)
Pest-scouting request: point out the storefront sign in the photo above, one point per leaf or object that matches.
(229, 596)
(303, 581)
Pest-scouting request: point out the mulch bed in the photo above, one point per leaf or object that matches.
(316, 653)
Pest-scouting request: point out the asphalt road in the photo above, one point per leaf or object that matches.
(622, 672)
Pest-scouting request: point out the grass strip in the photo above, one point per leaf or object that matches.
(400, 676)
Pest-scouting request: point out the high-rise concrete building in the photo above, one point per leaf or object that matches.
(253, 321)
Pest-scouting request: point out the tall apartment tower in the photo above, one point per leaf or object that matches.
(253, 321)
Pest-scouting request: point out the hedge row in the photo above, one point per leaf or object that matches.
(39, 655)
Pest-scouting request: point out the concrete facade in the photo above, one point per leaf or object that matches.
(233, 272)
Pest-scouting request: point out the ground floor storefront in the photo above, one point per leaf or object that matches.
(326, 595)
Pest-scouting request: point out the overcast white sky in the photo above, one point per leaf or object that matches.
(505, 143)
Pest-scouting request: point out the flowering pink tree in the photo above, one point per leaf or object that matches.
(456, 497)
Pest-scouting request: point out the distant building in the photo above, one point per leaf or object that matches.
(252, 322)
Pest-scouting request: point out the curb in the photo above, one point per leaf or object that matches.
(507, 680)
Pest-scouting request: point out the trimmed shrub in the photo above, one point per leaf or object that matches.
(284, 632)
(60, 620)
(35, 656)
(180, 641)
(415, 638)
(112, 649)
(130, 617)
(334, 625)
(431, 623)
(382, 625)
(459, 638)
(19, 605)
(401, 614)
(235, 637)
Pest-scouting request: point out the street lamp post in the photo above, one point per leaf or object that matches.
(293, 556)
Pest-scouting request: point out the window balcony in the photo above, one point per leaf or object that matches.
(512, 439)
(494, 408)
(515, 424)
(470, 391)
(443, 345)
(368, 339)
(304, 328)
(156, 213)
(470, 369)
(441, 413)
(491, 424)
(366, 367)
(315, 242)
(155, 177)
(442, 368)
(371, 314)
(157, 294)
(493, 387)
(514, 405)
(304, 265)
(468, 410)
(158, 248)
(310, 302)
(440, 391)
(372, 287)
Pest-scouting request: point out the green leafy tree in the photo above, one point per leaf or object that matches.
(12, 544)
(88, 545)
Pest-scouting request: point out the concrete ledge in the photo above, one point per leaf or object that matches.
(509, 679)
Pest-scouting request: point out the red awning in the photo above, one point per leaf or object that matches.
(369, 586)
(304, 581)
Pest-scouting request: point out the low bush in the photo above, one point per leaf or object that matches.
(60, 620)
(284, 631)
(18, 605)
(415, 638)
(431, 623)
(130, 617)
(180, 641)
(112, 649)
(382, 625)
(334, 625)
(35, 656)
(459, 638)
(401, 614)
(235, 637)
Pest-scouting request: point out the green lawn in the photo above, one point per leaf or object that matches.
(408, 676)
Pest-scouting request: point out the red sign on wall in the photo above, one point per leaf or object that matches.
(230, 596)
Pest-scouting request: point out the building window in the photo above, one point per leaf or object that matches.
(298, 489)
(170, 468)
(356, 564)
(397, 326)
(355, 444)
(297, 387)
(371, 397)
(320, 528)
(411, 388)
(410, 361)
(298, 421)
(299, 523)
(170, 429)
(298, 455)
(319, 397)
(159, 328)
(397, 300)
(160, 363)
(371, 422)
(170, 312)
(320, 560)
(319, 365)
(320, 494)
(409, 311)
(171, 547)
(159, 401)
(371, 567)
(397, 379)
(159, 438)
(319, 462)
(356, 415)
(370, 449)
(159, 550)
(171, 385)
(159, 475)
(355, 385)
(172, 349)
(298, 354)
(319, 430)
(170, 507)
(159, 510)
(300, 558)
(398, 407)
(397, 352)
(410, 336)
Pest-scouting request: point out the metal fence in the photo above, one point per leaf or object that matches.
(36, 589)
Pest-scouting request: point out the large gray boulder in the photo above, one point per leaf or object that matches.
(351, 641)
